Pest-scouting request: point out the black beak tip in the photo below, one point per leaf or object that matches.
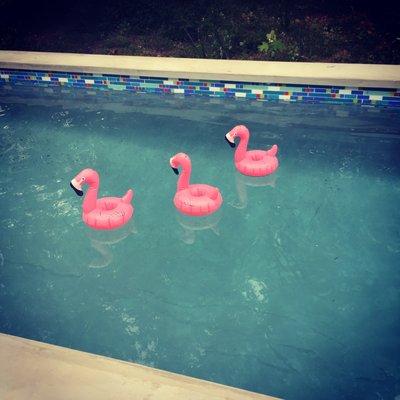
(175, 170)
(230, 143)
(77, 191)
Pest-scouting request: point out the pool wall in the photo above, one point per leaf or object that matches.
(376, 85)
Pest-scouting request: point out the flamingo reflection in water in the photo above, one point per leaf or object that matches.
(102, 241)
(242, 181)
(192, 224)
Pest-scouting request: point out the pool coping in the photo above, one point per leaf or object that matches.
(32, 370)
(354, 75)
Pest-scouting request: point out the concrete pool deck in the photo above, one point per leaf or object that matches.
(31, 370)
(354, 75)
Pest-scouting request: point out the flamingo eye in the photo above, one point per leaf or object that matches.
(83, 178)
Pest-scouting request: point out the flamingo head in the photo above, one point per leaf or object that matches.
(87, 176)
(180, 159)
(238, 130)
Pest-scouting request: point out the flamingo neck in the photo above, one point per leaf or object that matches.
(184, 177)
(241, 150)
(90, 200)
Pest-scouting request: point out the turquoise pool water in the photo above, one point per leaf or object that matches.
(292, 289)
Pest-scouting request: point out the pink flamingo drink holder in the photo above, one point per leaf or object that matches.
(193, 199)
(251, 162)
(107, 212)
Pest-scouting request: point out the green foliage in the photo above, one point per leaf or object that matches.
(272, 45)
(228, 29)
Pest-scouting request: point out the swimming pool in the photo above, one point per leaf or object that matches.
(291, 290)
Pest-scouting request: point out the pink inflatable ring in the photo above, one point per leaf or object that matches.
(251, 162)
(194, 200)
(105, 213)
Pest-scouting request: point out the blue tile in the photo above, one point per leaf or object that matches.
(152, 78)
(321, 95)
(153, 81)
(273, 92)
(391, 98)
(203, 87)
(272, 96)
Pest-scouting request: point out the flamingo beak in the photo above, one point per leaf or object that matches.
(230, 140)
(77, 187)
(172, 166)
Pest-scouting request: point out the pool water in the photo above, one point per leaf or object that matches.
(291, 289)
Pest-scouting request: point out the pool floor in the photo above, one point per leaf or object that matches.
(291, 289)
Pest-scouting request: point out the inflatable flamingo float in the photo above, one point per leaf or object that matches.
(106, 213)
(251, 162)
(194, 200)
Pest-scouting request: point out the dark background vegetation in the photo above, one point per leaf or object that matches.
(284, 30)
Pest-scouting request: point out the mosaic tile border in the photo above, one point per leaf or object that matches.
(221, 89)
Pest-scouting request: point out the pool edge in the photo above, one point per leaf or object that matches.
(35, 370)
(355, 75)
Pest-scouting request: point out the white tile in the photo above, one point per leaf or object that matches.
(344, 91)
(375, 97)
(168, 82)
(274, 88)
(89, 81)
(46, 78)
(215, 89)
(284, 97)
(230, 86)
(240, 94)
(178, 90)
(4, 76)
(63, 80)
(256, 91)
